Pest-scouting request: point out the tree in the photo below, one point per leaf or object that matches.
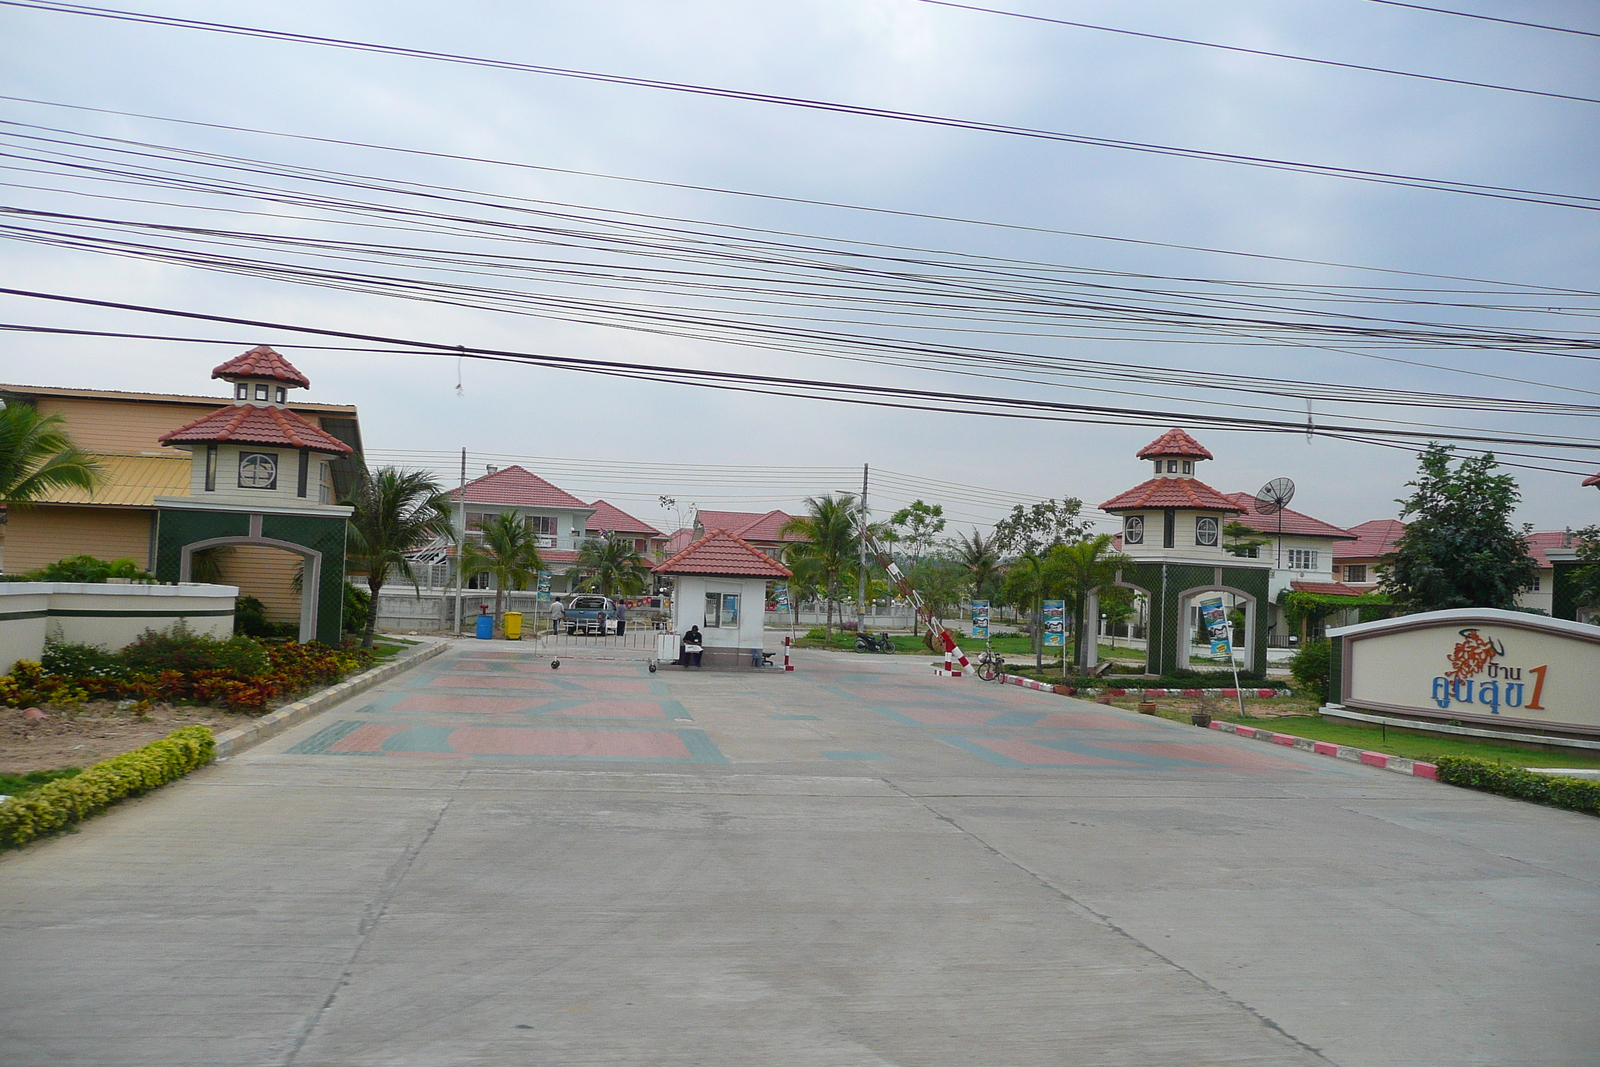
(1241, 540)
(1116, 604)
(1024, 587)
(1586, 578)
(826, 554)
(1075, 571)
(1037, 528)
(940, 580)
(509, 553)
(980, 559)
(1460, 549)
(397, 511)
(609, 565)
(916, 527)
(38, 457)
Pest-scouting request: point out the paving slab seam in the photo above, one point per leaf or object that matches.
(1383, 761)
(1070, 690)
(1110, 924)
(237, 740)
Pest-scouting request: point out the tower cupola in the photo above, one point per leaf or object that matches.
(1174, 453)
(261, 377)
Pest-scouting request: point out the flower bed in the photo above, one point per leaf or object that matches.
(239, 673)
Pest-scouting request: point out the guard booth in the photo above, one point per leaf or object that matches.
(720, 585)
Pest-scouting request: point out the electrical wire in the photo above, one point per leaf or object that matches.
(1487, 18)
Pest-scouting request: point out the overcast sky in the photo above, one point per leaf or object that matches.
(895, 54)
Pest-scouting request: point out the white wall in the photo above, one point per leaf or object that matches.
(689, 606)
(228, 490)
(107, 615)
(1543, 597)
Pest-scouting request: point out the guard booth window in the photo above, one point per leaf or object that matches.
(722, 610)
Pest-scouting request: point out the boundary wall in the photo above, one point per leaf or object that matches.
(90, 613)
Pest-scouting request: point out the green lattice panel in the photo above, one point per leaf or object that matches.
(178, 528)
(325, 534)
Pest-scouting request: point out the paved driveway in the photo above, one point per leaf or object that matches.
(490, 862)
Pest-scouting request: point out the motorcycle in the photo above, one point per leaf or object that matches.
(874, 643)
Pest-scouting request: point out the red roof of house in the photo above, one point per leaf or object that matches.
(613, 519)
(750, 525)
(1293, 521)
(516, 487)
(1174, 442)
(1329, 588)
(248, 424)
(1171, 493)
(1541, 540)
(722, 553)
(678, 540)
(262, 362)
(1374, 539)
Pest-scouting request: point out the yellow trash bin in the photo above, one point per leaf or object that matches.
(513, 625)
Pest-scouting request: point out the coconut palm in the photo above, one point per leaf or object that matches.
(38, 456)
(609, 565)
(826, 554)
(1076, 570)
(509, 552)
(396, 512)
(981, 559)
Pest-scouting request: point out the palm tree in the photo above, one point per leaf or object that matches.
(509, 552)
(981, 559)
(38, 456)
(1075, 571)
(609, 565)
(828, 548)
(396, 512)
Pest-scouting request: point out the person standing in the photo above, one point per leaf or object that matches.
(622, 618)
(558, 615)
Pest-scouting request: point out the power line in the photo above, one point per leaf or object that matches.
(1263, 52)
(1498, 192)
(933, 401)
(1487, 18)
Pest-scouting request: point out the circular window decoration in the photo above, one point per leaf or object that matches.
(1133, 530)
(1205, 530)
(258, 470)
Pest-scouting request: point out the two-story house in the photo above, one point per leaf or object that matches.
(763, 529)
(1301, 549)
(610, 519)
(559, 519)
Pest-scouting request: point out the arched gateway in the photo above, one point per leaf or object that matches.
(1172, 528)
(259, 476)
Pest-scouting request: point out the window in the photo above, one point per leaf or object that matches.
(1535, 585)
(258, 470)
(324, 485)
(1188, 466)
(211, 467)
(1133, 530)
(1302, 559)
(283, 394)
(241, 391)
(722, 611)
(1172, 466)
(1355, 572)
(261, 392)
(1205, 530)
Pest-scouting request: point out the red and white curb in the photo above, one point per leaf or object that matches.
(1069, 690)
(1398, 764)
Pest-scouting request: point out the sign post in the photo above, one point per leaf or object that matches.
(1055, 629)
(1214, 614)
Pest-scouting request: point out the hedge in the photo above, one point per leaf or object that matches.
(71, 800)
(1492, 776)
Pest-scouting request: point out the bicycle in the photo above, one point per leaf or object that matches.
(991, 666)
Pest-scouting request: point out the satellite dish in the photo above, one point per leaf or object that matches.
(1274, 496)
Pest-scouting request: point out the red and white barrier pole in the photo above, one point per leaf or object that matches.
(786, 664)
(954, 659)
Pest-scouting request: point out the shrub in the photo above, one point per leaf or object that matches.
(250, 619)
(1492, 776)
(181, 649)
(816, 633)
(357, 603)
(79, 661)
(83, 569)
(1312, 667)
(67, 801)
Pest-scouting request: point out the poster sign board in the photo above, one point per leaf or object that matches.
(1214, 617)
(780, 596)
(544, 587)
(980, 619)
(1476, 665)
(1055, 623)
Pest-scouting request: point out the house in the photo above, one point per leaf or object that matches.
(610, 519)
(1357, 563)
(759, 528)
(559, 519)
(1301, 550)
(123, 432)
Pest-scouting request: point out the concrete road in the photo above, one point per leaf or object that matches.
(490, 862)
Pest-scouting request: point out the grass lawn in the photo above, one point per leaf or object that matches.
(385, 647)
(1416, 746)
(16, 785)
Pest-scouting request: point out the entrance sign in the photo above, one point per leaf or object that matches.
(980, 619)
(1475, 665)
(1055, 623)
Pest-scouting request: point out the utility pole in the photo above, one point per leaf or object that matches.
(861, 576)
(461, 536)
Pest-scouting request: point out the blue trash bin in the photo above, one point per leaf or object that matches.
(485, 627)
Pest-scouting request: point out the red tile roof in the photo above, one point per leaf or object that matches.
(613, 519)
(248, 424)
(1329, 588)
(722, 553)
(1171, 493)
(262, 362)
(1174, 442)
(1541, 540)
(1374, 539)
(750, 525)
(678, 541)
(1293, 521)
(516, 487)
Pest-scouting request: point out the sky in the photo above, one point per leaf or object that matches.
(633, 441)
